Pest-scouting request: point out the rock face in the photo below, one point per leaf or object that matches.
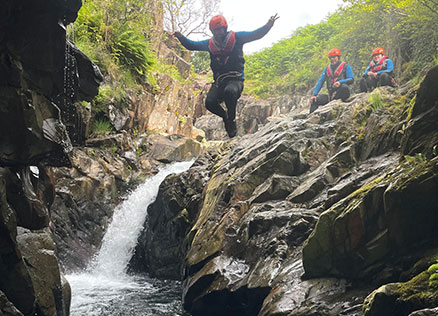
(291, 215)
(251, 114)
(102, 173)
(33, 56)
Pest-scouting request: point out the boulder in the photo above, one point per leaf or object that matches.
(425, 312)
(7, 308)
(402, 299)
(161, 247)
(38, 250)
(420, 135)
(172, 148)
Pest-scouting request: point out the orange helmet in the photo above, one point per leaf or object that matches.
(217, 21)
(378, 50)
(334, 52)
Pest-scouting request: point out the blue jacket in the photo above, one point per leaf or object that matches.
(349, 78)
(237, 52)
(389, 67)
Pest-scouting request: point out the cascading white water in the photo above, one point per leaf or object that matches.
(106, 289)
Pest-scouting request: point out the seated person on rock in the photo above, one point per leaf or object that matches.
(378, 72)
(227, 63)
(338, 76)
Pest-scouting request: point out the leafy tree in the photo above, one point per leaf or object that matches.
(405, 28)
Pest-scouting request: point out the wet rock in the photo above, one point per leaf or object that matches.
(31, 131)
(15, 281)
(89, 74)
(7, 308)
(421, 135)
(85, 199)
(161, 247)
(38, 250)
(425, 312)
(401, 298)
(389, 215)
(172, 148)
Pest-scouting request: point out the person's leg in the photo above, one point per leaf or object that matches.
(363, 85)
(371, 83)
(212, 102)
(321, 99)
(343, 92)
(232, 91)
(385, 79)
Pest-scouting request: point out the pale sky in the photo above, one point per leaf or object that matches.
(248, 15)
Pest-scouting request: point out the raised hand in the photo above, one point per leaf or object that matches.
(272, 19)
(177, 34)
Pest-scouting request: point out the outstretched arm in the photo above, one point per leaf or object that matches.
(191, 45)
(246, 37)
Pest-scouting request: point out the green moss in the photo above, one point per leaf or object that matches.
(418, 292)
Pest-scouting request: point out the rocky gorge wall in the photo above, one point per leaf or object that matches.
(34, 62)
(309, 214)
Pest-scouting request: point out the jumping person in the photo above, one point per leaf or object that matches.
(338, 76)
(378, 72)
(227, 64)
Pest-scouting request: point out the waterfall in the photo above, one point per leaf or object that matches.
(127, 223)
(105, 288)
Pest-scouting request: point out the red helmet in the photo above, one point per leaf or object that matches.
(378, 50)
(334, 52)
(217, 21)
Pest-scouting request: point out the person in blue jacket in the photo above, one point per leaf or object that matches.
(227, 64)
(338, 76)
(378, 73)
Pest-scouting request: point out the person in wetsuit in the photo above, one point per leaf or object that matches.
(227, 64)
(338, 76)
(378, 73)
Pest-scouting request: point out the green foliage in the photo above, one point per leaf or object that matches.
(405, 28)
(201, 61)
(101, 127)
(108, 95)
(376, 102)
(113, 34)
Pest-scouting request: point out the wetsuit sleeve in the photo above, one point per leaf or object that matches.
(389, 67)
(193, 45)
(349, 76)
(245, 37)
(320, 82)
(366, 71)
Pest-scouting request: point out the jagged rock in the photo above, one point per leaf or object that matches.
(172, 148)
(15, 280)
(160, 250)
(420, 135)
(85, 199)
(38, 250)
(213, 127)
(348, 242)
(401, 299)
(7, 308)
(89, 75)
(31, 131)
(425, 312)
(263, 198)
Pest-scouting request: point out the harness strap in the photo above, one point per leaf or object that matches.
(227, 76)
(376, 67)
